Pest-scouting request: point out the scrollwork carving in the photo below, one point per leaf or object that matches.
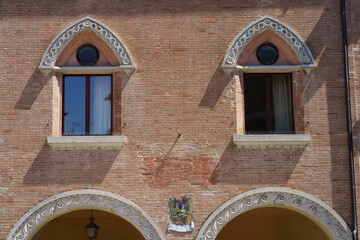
(86, 24)
(82, 199)
(280, 197)
(280, 29)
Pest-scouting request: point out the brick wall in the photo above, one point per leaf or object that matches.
(353, 27)
(177, 88)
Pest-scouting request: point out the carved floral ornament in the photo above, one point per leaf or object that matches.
(66, 202)
(316, 210)
(86, 24)
(253, 30)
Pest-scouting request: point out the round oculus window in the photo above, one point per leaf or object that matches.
(87, 55)
(267, 53)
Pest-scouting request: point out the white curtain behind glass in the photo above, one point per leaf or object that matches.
(282, 103)
(102, 105)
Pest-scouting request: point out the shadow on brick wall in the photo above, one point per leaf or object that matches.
(256, 166)
(70, 166)
(33, 87)
(215, 88)
(356, 134)
(329, 79)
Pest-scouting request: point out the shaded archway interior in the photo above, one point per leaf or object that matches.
(71, 226)
(272, 223)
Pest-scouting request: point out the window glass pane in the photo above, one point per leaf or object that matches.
(74, 105)
(100, 105)
(268, 104)
(255, 103)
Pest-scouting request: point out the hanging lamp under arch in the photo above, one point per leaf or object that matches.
(27, 226)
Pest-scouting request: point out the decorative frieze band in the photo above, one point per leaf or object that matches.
(86, 24)
(315, 209)
(62, 203)
(280, 29)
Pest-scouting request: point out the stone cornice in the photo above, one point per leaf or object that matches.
(128, 69)
(267, 69)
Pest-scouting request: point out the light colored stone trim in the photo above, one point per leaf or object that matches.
(272, 140)
(70, 201)
(316, 210)
(87, 70)
(111, 142)
(268, 68)
(86, 24)
(254, 29)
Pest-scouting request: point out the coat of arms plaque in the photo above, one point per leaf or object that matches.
(180, 214)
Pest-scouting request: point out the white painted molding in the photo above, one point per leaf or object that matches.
(264, 24)
(78, 142)
(27, 226)
(85, 24)
(316, 210)
(271, 140)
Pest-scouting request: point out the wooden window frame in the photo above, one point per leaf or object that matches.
(87, 103)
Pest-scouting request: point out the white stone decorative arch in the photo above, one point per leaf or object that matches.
(316, 210)
(264, 24)
(49, 58)
(70, 201)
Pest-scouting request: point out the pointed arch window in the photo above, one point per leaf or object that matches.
(264, 58)
(87, 54)
(52, 62)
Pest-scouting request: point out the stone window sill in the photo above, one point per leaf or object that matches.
(271, 140)
(86, 142)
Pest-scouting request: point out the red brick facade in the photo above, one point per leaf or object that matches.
(177, 90)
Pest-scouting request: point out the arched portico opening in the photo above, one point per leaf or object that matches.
(40, 215)
(271, 223)
(296, 205)
(71, 226)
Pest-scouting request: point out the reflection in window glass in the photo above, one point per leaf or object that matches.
(87, 105)
(100, 105)
(74, 105)
(255, 103)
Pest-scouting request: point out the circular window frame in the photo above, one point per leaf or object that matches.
(267, 44)
(87, 46)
